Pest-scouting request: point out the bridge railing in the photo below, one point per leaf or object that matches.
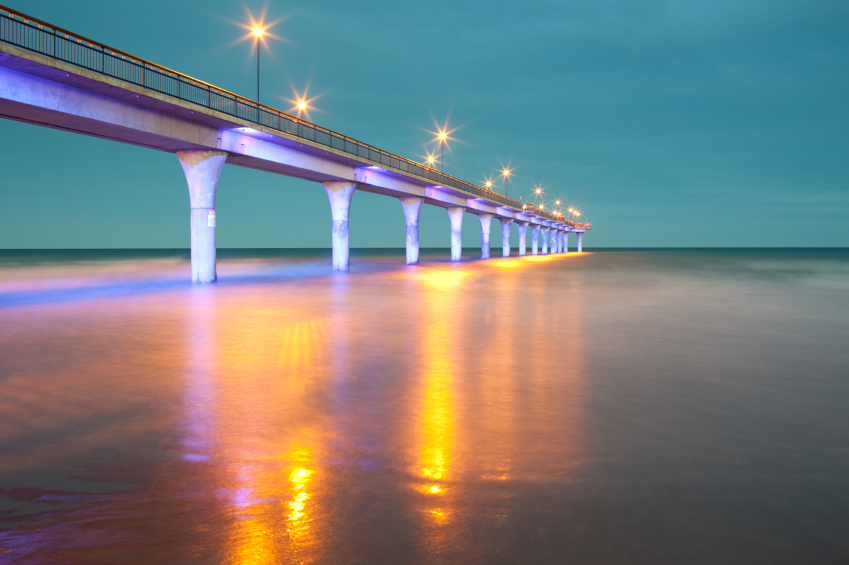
(40, 37)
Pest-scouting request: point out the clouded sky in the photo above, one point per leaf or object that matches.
(673, 123)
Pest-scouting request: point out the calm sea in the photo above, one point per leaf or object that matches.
(646, 407)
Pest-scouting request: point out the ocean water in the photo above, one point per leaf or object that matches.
(646, 407)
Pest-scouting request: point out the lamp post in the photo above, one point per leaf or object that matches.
(442, 136)
(257, 31)
(505, 172)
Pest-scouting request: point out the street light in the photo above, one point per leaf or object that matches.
(505, 172)
(257, 31)
(302, 103)
(442, 136)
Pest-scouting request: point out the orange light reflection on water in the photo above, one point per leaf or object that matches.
(271, 370)
(439, 296)
(500, 362)
(298, 519)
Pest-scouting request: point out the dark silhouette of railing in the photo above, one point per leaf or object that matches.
(40, 37)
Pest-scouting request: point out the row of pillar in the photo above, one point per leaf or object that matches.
(203, 168)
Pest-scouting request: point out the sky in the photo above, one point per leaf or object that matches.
(667, 123)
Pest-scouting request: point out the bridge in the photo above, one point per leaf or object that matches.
(54, 78)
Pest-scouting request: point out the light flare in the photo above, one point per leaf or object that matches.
(442, 135)
(302, 104)
(258, 29)
(430, 159)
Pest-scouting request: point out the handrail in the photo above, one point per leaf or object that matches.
(46, 39)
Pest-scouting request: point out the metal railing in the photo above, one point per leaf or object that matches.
(40, 37)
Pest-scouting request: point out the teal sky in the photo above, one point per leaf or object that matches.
(670, 123)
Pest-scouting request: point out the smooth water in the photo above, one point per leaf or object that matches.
(687, 406)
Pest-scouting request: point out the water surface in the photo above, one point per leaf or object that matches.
(648, 407)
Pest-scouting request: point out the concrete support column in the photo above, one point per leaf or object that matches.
(412, 207)
(486, 222)
(534, 238)
(560, 241)
(566, 242)
(455, 215)
(340, 195)
(580, 243)
(545, 239)
(523, 231)
(506, 225)
(202, 169)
